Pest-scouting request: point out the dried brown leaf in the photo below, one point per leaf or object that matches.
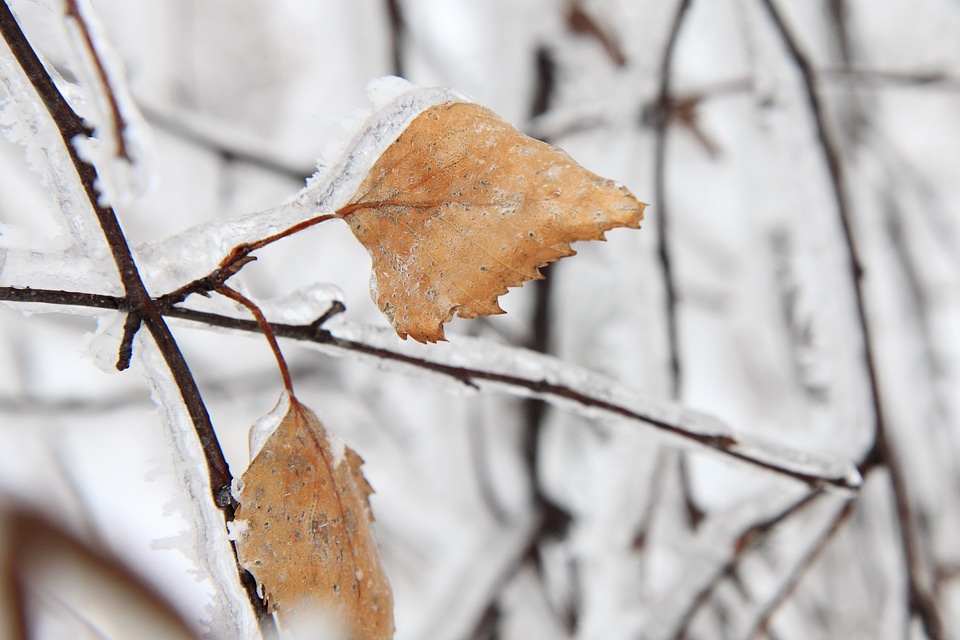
(305, 531)
(462, 206)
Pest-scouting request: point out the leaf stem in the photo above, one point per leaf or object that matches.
(267, 332)
(244, 250)
(238, 258)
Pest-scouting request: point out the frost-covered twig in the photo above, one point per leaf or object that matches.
(476, 363)
(137, 300)
(73, 10)
(479, 364)
(921, 601)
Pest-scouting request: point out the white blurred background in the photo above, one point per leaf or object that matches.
(500, 517)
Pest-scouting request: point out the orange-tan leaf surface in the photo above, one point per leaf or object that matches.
(462, 206)
(304, 530)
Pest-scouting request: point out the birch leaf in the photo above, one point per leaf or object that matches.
(462, 206)
(304, 530)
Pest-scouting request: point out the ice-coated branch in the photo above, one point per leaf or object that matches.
(233, 262)
(137, 300)
(71, 126)
(482, 365)
(73, 10)
(922, 602)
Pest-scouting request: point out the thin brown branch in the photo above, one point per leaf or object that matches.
(788, 586)
(244, 250)
(580, 21)
(751, 538)
(119, 125)
(70, 126)
(130, 327)
(335, 309)
(398, 33)
(470, 376)
(662, 110)
(63, 298)
(931, 79)
(922, 602)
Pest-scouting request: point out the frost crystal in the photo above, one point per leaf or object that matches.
(267, 424)
(205, 542)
